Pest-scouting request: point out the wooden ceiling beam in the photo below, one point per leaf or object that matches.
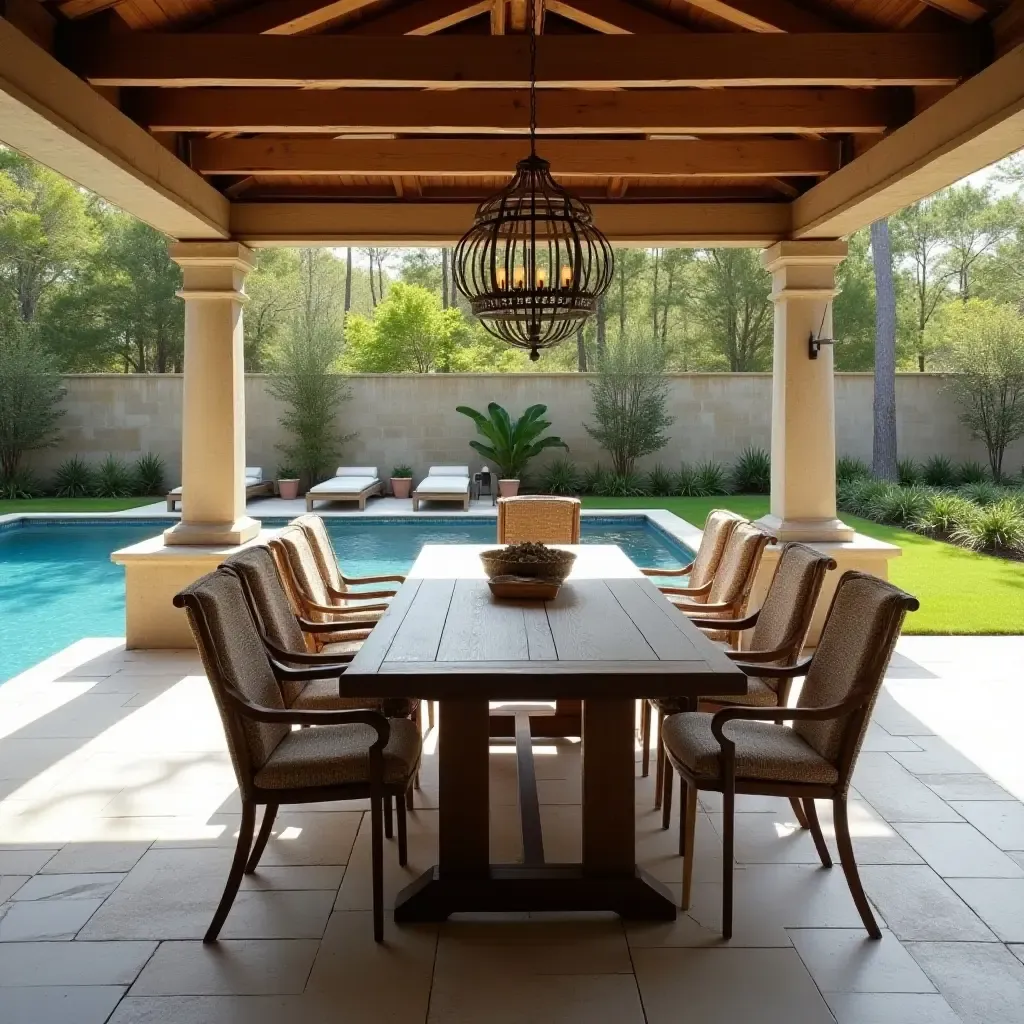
(663, 111)
(443, 223)
(420, 19)
(690, 59)
(614, 17)
(1008, 28)
(757, 158)
(962, 10)
(767, 15)
(284, 17)
(499, 17)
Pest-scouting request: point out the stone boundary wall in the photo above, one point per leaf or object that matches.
(411, 418)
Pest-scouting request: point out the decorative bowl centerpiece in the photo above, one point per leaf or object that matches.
(534, 561)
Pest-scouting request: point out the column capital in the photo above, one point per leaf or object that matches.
(825, 253)
(233, 255)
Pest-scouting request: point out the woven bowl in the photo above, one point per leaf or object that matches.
(496, 564)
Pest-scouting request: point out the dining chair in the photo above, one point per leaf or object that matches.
(540, 519)
(777, 633)
(327, 561)
(350, 755)
(810, 757)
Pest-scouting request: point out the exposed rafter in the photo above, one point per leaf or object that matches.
(614, 17)
(728, 59)
(964, 10)
(420, 19)
(766, 15)
(499, 17)
(1008, 28)
(285, 17)
(663, 111)
(491, 157)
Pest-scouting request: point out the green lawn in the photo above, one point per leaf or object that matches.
(960, 591)
(73, 504)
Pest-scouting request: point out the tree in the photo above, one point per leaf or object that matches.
(982, 344)
(630, 398)
(853, 310)
(273, 293)
(883, 449)
(348, 278)
(30, 392)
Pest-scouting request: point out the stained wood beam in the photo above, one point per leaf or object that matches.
(756, 158)
(1008, 28)
(422, 18)
(767, 15)
(424, 223)
(663, 111)
(975, 125)
(963, 10)
(499, 16)
(614, 17)
(691, 59)
(52, 116)
(284, 17)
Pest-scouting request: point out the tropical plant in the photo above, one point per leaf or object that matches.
(909, 473)
(74, 478)
(971, 472)
(560, 476)
(149, 475)
(752, 473)
(22, 483)
(711, 478)
(630, 397)
(938, 471)
(998, 528)
(899, 505)
(594, 480)
(849, 468)
(113, 478)
(661, 482)
(982, 493)
(401, 473)
(625, 485)
(511, 444)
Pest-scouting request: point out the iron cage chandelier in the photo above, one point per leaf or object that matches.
(533, 265)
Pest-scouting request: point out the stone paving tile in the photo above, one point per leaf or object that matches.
(228, 1010)
(896, 794)
(890, 1008)
(847, 960)
(957, 786)
(999, 902)
(50, 920)
(79, 1005)
(72, 963)
(83, 858)
(1002, 821)
(71, 887)
(958, 850)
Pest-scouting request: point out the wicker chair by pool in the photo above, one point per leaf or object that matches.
(542, 519)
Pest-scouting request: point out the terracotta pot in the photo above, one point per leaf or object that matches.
(508, 488)
(401, 486)
(288, 489)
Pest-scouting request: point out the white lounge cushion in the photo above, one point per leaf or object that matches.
(344, 485)
(175, 490)
(444, 485)
(364, 471)
(456, 471)
(253, 475)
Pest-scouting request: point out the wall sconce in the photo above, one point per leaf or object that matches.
(815, 341)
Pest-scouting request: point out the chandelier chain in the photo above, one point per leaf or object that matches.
(533, 77)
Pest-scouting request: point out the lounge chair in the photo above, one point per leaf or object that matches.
(542, 519)
(443, 483)
(349, 483)
(254, 485)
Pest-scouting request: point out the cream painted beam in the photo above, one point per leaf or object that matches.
(766, 15)
(690, 59)
(661, 111)
(419, 19)
(426, 223)
(614, 17)
(53, 117)
(973, 126)
(493, 157)
(285, 17)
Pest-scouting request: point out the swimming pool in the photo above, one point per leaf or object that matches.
(58, 585)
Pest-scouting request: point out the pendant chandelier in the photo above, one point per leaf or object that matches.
(533, 265)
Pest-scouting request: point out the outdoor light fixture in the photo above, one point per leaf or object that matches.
(815, 341)
(533, 265)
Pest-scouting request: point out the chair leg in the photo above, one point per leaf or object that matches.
(430, 714)
(845, 844)
(728, 844)
(408, 799)
(261, 839)
(245, 831)
(389, 819)
(666, 797)
(687, 832)
(799, 812)
(645, 737)
(659, 760)
(814, 825)
(377, 859)
(403, 841)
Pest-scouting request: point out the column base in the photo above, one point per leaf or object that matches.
(212, 534)
(824, 531)
(154, 572)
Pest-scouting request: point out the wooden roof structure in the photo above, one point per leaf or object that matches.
(387, 121)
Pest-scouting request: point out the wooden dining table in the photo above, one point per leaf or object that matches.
(608, 638)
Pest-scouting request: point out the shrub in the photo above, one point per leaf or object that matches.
(113, 478)
(561, 477)
(939, 471)
(22, 483)
(594, 481)
(702, 481)
(149, 475)
(909, 472)
(625, 485)
(662, 482)
(858, 495)
(982, 493)
(511, 444)
(849, 469)
(999, 527)
(971, 472)
(74, 478)
(402, 473)
(898, 505)
(944, 514)
(752, 473)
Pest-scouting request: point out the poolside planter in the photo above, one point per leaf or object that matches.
(401, 486)
(508, 488)
(288, 489)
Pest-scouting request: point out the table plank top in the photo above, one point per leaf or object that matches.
(609, 633)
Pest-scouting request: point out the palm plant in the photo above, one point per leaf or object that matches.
(511, 444)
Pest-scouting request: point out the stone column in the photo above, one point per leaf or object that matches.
(213, 417)
(803, 499)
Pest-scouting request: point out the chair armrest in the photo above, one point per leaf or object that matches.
(305, 657)
(684, 591)
(334, 609)
(726, 715)
(726, 606)
(353, 595)
(326, 670)
(759, 657)
(731, 624)
(291, 716)
(685, 571)
(774, 671)
(356, 581)
(340, 626)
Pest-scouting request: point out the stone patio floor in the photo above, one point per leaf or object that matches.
(118, 812)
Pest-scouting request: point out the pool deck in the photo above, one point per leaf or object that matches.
(118, 810)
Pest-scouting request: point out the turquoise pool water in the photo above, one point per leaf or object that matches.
(58, 585)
